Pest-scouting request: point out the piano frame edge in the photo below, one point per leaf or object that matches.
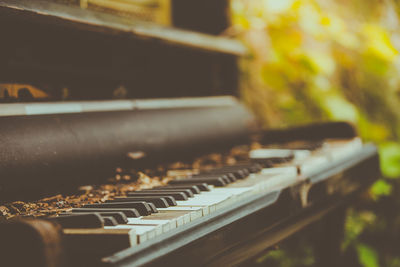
(229, 230)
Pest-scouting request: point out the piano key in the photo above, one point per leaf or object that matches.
(272, 155)
(118, 216)
(109, 221)
(311, 165)
(142, 207)
(216, 199)
(152, 207)
(194, 212)
(278, 178)
(210, 204)
(250, 167)
(227, 177)
(237, 173)
(166, 225)
(143, 232)
(270, 179)
(175, 195)
(159, 202)
(301, 154)
(209, 181)
(168, 199)
(180, 217)
(193, 188)
(201, 186)
(88, 240)
(187, 192)
(130, 213)
(280, 170)
(79, 221)
(339, 149)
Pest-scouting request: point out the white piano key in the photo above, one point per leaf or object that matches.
(300, 154)
(259, 182)
(338, 150)
(270, 153)
(176, 217)
(165, 224)
(202, 201)
(271, 179)
(231, 191)
(143, 232)
(312, 165)
(195, 212)
(287, 170)
(212, 200)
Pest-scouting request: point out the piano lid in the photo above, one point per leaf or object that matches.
(93, 21)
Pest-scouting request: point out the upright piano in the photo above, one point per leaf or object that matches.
(124, 144)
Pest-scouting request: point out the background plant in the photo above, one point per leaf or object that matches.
(318, 60)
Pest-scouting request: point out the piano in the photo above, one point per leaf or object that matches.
(140, 153)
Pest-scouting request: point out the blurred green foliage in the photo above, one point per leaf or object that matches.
(318, 60)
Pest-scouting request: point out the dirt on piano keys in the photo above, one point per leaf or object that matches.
(122, 182)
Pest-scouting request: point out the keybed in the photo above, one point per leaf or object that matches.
(186, 200)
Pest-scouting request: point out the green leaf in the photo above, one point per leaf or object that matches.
(367, 256)
(390, 159)
(380, 188)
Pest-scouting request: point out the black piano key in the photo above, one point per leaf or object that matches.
(152, 207)
(227, 177)
(272, 161)
(130, 213)
(255, 168)
(169, 199)
(193, 188)
(187, 192)
(142, 207)
(250, 167)
(159, 202)
(233, 168)
(109, 221)
(93, 220)
(238, 174)
(238, 166)
(201, 186)
(175, 195)
(210, 181)
(118, 216)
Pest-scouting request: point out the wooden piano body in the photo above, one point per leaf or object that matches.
(50, 147)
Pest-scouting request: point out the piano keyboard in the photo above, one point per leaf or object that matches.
(143, 215)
